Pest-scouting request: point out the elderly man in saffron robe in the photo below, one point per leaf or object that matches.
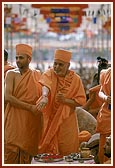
(62, 91)
(22, 120)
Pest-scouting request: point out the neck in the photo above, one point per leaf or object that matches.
(66, 73)
(22, 71)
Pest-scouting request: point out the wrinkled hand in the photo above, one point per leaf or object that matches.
(42, 103)
(60, 97)
(34, 110)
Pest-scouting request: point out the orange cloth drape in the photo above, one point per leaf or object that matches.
(58, 116)
(16, 155)
(97, 103)
(104, 116)
(23, 128)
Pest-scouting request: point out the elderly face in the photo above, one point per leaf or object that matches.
(107, 147)
(60, 67)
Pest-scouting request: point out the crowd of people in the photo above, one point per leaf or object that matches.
(39, 113)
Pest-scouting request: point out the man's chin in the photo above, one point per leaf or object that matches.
(58, 73)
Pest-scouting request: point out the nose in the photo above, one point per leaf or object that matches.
(17, 60)
(57, 66)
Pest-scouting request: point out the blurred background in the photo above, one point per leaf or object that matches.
(85, 29)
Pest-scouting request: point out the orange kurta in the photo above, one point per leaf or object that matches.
(104, 116)
(60, 122)
(23, 128)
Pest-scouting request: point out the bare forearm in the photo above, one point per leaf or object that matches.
(71, 103)
(87, 105)
(17, 103)
(45, 91)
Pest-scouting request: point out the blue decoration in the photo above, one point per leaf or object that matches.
(94, 20)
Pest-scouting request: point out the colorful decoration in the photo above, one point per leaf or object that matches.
(58, 16)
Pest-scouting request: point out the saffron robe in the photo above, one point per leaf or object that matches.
(60, 121)
(94, 105)
(104, 116)
(21, 127)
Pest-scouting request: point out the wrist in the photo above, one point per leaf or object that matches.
(65, 101)
(44, 95)
(45, 91)
(105, 98)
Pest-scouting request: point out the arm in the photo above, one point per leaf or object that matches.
(42, 102)
(71, 103)
(89, 101)
(12, 99)
(104, 97)
(45, 91)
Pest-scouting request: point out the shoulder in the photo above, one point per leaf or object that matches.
(36, 71)
(12, 71)
(108, 70)
(75, 75)
(11, 74)
(103, 71)
(48, 72)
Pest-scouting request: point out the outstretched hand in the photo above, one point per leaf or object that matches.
(41, 103)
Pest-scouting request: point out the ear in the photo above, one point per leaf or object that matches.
(68, 65)
(29, 59)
